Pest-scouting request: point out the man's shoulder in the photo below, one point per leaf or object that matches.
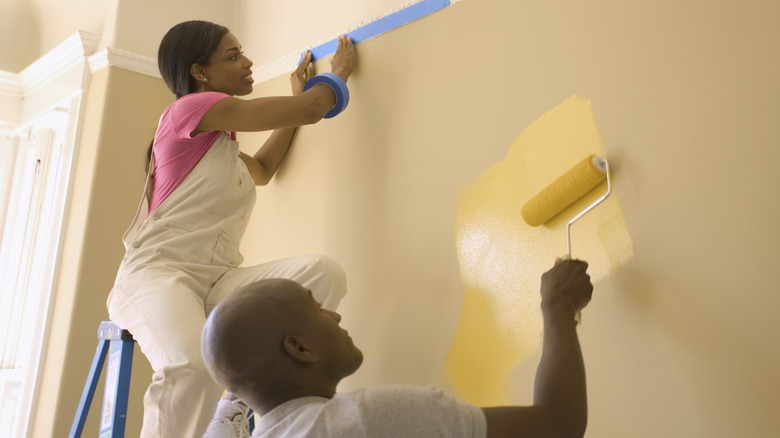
(408, 409)
(400, 391)
(386, 410)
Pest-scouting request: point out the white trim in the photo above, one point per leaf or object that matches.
(48, 67)
(111, 57)
(52, 118)
(74, 49)
(287, 63)
(7, 128)
(277, 67)
(73, 129)
(50, 97)
(11, 84)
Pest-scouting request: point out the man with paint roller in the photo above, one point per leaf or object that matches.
(299, 354)
(183, 247)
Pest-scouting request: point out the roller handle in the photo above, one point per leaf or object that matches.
(602, 164)
(578, 313)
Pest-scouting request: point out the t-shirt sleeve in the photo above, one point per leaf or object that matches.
(187, 111)
(411, 411)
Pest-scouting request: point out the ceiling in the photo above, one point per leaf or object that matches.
(36, 26)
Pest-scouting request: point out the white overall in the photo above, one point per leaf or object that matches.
(180, 262)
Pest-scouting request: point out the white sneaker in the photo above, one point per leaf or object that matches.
(231, 420)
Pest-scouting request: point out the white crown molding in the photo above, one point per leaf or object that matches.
(46, 80)
(7, 128)
(111, 57)
(74, 49)
(277, 67)
(11, 85)
(79, 47)
(287, 63)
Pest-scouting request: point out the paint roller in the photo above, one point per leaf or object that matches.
(566, 190)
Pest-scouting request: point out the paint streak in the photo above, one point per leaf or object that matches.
(502, 258)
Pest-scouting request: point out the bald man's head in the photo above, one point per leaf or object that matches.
(272, 337)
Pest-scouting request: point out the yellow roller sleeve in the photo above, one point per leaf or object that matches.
(563, 192)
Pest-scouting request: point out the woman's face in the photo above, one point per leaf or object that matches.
(228, 71)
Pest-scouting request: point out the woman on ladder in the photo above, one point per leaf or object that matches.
(183, 248)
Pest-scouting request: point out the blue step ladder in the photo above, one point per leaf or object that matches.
(117, 345)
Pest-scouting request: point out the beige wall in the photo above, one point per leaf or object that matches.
(681, 342)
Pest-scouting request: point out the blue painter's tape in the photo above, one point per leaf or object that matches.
(384, 24)
(339, 87)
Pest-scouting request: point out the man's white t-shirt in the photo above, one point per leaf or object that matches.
(385, 411)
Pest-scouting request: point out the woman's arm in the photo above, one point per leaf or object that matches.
(267, 113)
(283, 114)
(263, 165)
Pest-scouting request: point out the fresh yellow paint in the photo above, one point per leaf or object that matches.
(502, 258)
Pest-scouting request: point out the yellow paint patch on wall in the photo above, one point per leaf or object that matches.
(502, 258)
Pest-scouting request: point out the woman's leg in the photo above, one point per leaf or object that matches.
(321, 274)
(165, 313)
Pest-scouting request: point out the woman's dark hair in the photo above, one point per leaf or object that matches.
(187, 43)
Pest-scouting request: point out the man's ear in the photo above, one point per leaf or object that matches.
(296, 348)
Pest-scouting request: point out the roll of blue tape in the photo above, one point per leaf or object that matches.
(339, 87)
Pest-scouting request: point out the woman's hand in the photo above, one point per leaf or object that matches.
(344, 60)
(303, 73)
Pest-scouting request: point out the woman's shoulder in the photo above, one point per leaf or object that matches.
(183, 115)
(197, 100)
(191, 106)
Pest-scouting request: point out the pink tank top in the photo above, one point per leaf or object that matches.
(175, 151)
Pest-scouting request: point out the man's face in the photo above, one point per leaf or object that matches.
(320, 328)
